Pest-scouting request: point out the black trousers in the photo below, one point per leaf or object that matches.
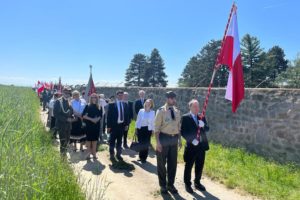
(193, 155)
(104, 124)
(167, 156)
(144, 136)
(64, 138)
(116, 135)
(125, 138)
(44, 105)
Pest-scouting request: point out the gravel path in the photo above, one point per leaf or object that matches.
(101, 181)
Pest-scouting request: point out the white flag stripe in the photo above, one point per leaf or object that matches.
(228, 94)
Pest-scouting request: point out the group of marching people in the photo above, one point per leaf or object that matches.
(77, 120)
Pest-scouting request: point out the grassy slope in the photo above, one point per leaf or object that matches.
(237, 168)
(30, 167)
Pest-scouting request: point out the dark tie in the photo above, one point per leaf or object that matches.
(172, 113)
(121, 112)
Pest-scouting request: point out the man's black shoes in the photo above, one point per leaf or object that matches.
(200, 187)
(189, 189)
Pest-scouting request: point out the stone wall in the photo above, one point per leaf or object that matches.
(267, 122)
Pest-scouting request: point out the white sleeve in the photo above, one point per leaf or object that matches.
(138, 120)
(152, 121)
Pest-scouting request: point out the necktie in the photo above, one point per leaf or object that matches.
(121, 111)
(195, 119)
(172, 113)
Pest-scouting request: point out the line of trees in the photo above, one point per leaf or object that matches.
(146, 71)
(261, 68)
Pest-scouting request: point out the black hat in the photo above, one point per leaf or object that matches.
(170, 94)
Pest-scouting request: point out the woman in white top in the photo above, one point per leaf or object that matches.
(145, 128)
(77, 132)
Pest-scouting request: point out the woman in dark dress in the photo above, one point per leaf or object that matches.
(77, 132)
(92, 115)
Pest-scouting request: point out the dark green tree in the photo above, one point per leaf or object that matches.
(291, 77)
(155, 75)
(251, 57)
(135, 73)
(199, 69)
(273, 64)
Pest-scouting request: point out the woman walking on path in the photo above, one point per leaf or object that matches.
(77, 132)
(145, 128)
(92, 115)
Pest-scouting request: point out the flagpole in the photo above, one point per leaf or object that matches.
(91, 69)
(217, 66)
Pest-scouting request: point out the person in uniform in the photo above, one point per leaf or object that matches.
(63, 113)
(167, 132)
(130, 113)
(194, 132)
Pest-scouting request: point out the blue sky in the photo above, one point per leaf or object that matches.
(45, 39)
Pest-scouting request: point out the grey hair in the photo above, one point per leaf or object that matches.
(141, 91)
(192, 102)
(75, 92)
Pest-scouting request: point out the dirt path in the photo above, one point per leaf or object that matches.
(99, 179)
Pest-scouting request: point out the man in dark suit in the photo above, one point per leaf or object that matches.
(196, 145)
(139, 103)
(130, 113)
(117, 123)
(63, 112)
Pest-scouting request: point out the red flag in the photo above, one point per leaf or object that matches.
(41, 88)
(230, 55)
(90, 88)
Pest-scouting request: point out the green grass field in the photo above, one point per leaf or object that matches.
(30, 167)
(237, 168)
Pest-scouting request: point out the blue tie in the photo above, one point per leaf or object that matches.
(195, 119)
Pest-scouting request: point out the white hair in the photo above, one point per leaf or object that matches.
(192, 102)
(141, 91)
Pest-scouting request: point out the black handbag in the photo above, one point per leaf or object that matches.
(135, 145)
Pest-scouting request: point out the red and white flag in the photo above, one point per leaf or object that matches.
(90, 88)
(40, 87)
(230, 55)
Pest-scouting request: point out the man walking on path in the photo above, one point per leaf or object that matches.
(196, 146)
(63, 115)
(167, 132)
(117, 123)
(130, 113)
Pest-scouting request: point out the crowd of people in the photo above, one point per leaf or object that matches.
(88, 121)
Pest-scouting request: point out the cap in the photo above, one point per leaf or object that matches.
(67, 89)
(170, 94)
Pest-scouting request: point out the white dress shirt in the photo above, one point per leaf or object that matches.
(145, 119)
(119, 111)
